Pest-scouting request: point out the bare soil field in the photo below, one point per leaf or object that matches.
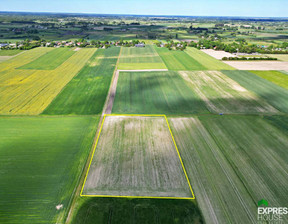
(223, 95)
(136, 156)
(218, 54)
(258, 65)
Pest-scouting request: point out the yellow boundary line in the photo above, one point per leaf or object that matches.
(121, 196)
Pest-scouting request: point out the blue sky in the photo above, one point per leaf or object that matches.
(257, 8)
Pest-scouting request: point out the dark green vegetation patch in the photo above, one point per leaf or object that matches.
(155, 93)
(179, 60)
(41, 160)
(140, 211)
(86, 93)
(274, 94)
(50, 60)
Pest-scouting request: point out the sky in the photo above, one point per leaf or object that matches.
(248, 8)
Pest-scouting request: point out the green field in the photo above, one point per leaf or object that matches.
(9, 52)
(234, 161)
(272, 93)
(41, 162)
(48, 62)
(140, 211)
(206, 60)
(223, 95)
(140, 58)
(179, 60)
(86, 93)
(155, 93)
(276, 77)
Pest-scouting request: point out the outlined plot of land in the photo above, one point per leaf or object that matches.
(135, 156)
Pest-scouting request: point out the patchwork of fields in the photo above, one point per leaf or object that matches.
(134, 58)
(31, 91)
(86, 93)
(41, 162)
(135, 156)
(232, 161)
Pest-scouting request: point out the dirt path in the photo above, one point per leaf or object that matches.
(112, 92)
(77, 190)
(145, 70)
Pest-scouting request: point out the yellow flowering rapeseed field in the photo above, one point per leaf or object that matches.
(28, 91)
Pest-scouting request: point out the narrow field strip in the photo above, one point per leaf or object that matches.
(141, 162)
(30, 93)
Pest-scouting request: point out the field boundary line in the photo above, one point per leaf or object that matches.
(124, 196)
(183, 167)
(96, 143)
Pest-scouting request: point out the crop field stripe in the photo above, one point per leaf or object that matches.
(122, 196)
(93, 154)
(193, 196)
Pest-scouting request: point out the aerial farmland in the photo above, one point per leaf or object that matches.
(118, 128)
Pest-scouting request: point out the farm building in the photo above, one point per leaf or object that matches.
(139, 45)
(3, 45)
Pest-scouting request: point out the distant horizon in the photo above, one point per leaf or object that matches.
(156, 15)
(210, 8)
